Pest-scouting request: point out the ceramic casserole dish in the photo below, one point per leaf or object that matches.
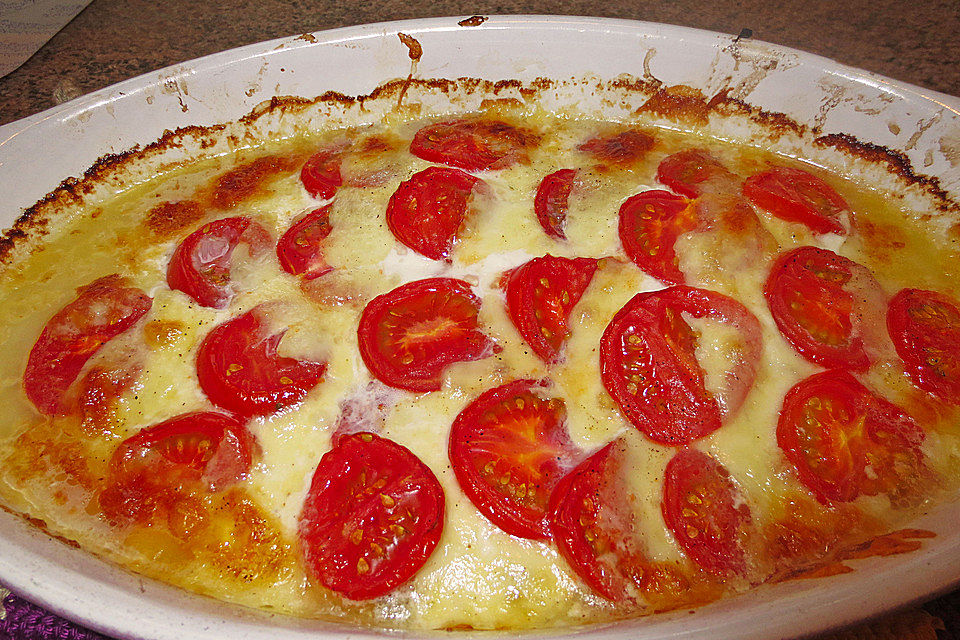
(580, 53)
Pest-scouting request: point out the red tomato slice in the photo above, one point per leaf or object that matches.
(200, 266)
(593, 525)
(409, 336)
(299, 249)
(372, 517)
(845, 440)
(650, 223)
(239, 369)
(925, 329)
(320, 175)
(550, 203)
(206, 446)
(473, 145)
(649, 367)
(509, 448)
(704, 509)
(797, 196)
(810, 292)
(541, 294)
(689, 171)
(426, 212)
(152, 469)
(103, 309)
(623, 148)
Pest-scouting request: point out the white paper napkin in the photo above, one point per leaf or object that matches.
(25, 25)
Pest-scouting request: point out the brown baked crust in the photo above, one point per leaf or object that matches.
(679, 103)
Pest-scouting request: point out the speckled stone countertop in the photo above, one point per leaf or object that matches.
(112, 40)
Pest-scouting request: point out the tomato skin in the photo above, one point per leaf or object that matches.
(409, 336)
(509, 448)
(540, 311)
(473, 145)
(372, 517)
(239, 369)
(807, 292)
(925, 329)
(592, 523)
(203, 445)
(650, 223)
(153, 469)
(692, 171)
(299, 250)
(200, 265)
(621, 149)
(700, 507)
(795, 195)
(550, 203)
(425, 212)
(649, 368)
(102, 310)
(832, 429)
(320, 175)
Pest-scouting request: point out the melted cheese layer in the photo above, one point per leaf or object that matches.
(479, 576)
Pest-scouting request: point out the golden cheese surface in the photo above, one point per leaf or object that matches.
(240, 543)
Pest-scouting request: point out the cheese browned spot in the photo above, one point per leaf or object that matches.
(243, 182)
(168, 218)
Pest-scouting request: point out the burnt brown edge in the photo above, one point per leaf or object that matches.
(895, 162)
(71, 191)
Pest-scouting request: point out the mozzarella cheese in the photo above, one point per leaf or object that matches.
(479, 576)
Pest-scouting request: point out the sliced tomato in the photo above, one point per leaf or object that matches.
(550, 203)
(509, 448)
(795, 195)
(239, 369)
(320, 175)
(299, 249)
(649, 367)
(845, 440)
(425, 212)
(409, 336)
(593, 525)
(705, 511)
(206, 446)
(372, 517)
(200, 266)
(102, 310)
(153, 468)
(688, 172)
(473, 145)
(811, 294)
(925, 329)
(622, 148)
(541, 294)
(650, 223)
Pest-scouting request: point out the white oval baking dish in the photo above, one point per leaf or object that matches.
(64, 141)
